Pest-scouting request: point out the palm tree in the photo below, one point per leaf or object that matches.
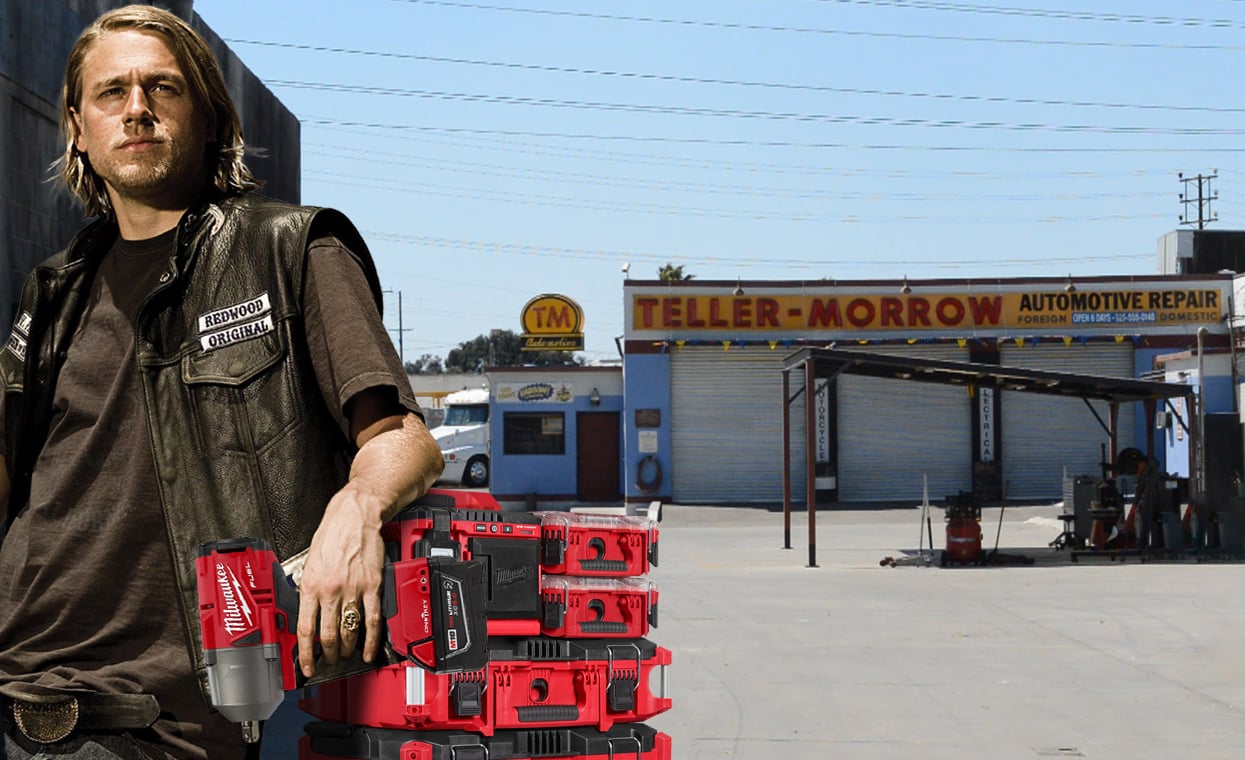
(672, 273)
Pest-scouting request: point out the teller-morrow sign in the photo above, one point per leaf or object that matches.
(925, 312)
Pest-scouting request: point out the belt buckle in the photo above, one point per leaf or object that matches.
(46, 723)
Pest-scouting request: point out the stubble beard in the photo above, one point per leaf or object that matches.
(165, 176)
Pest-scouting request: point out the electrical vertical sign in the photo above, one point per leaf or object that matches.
(985, 430)
(822, 456)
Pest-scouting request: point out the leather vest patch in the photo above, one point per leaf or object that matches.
(237, 323)
(17, 339)
(239, 312)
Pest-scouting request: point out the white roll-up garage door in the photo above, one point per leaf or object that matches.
(894, 433)
(1041, 435)
(726, 426)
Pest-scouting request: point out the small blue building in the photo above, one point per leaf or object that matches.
(556, 436)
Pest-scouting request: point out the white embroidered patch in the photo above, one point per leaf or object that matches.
(255, 307)
(17, 345)
(236, 334)
(17, 339)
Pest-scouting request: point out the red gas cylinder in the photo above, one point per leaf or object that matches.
(963, 530)
(963, 540)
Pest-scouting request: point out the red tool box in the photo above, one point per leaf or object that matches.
(595, 607)
(326, 741)
(566, 543)
(528, 683)
(522, 597)
(614, 546)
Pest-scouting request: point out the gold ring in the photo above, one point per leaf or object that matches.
(350, 618)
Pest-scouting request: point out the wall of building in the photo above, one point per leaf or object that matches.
(547, 480)
(1174, 438)
(37, 218)
(1077, 325)
(647, 414)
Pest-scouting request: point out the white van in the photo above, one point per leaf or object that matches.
(464, 438)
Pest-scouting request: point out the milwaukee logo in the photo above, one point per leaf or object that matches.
(236, 615)
(511, 576)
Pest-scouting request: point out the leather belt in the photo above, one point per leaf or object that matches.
(47, 720)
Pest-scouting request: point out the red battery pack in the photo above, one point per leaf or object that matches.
(434, 610)
(565, 543)
(328, 741)
(528, 683)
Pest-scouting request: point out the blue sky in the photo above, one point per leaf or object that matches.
(492, 151)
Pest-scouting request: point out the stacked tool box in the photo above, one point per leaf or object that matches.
(569, 674)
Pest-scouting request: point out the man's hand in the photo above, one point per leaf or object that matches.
(397, 461)
(343, 567)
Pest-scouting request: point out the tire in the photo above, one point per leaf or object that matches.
(475, 474)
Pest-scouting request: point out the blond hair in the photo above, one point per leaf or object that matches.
(207, 89)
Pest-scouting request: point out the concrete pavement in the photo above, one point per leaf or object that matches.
(853, 660)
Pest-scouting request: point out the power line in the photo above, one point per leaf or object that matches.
(1127, 18)
(587, 204)
(991, 99)
(529, 249)
(836, 119)
(599, 180)
(631, 158)
(812, 30)
(724, 142)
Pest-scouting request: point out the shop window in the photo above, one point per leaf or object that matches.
(534, 432)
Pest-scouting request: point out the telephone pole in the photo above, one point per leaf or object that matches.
(1203, 200)
(401, 330)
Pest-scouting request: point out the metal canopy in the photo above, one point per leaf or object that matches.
(816, 363)
(829, 362)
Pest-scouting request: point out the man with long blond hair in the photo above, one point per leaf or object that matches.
(199, 363)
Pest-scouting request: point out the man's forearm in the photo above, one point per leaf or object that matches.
(397, 461)
(397, 464)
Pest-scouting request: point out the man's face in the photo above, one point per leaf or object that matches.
(137, 122)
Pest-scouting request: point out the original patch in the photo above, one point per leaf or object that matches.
(241, 312)
(16, 344)
(236, 334)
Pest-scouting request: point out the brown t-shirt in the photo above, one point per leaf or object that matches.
(86, 579)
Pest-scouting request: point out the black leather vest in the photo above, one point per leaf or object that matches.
(242, 440)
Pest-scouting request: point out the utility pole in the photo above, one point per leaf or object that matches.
(493, 335)
(1204, 197)
(401, 330)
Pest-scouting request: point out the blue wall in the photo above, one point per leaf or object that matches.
(1175, 439)
(546, 475)
(647, 380)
